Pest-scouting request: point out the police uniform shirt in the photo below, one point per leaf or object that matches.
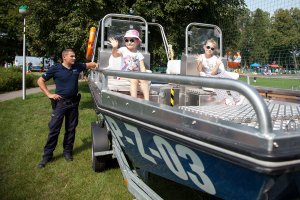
(66, 80)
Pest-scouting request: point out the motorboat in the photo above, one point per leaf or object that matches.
(183, 134)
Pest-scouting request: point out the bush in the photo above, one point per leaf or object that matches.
(11, 80)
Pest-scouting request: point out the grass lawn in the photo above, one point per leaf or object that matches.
(274, 82)
(23, 132)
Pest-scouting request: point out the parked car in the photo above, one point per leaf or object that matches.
(36, 68)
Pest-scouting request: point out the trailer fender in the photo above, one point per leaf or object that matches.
(100, 139)
(101, 147)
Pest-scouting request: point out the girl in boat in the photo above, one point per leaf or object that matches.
(133, 60)
(211, 66)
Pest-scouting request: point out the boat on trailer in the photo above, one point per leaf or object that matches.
(249, 151)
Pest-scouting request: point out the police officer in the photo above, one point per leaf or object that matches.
(64, 102)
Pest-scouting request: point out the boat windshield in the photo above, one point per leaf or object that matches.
(116, 27)
(198, 33)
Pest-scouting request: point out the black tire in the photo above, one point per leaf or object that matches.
(98, 162)
(100, 144)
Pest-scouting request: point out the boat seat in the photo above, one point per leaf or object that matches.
(173, 67)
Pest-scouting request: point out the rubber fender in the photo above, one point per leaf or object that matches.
(90, 45)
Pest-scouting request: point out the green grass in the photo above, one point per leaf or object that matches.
(23, 133)
(274, 82)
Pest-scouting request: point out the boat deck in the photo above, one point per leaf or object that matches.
(283, 116)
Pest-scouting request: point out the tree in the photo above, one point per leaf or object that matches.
(245, 43)
(10, 30)
(285, 36)
(260, 29)
(175, 15)
(56, 25)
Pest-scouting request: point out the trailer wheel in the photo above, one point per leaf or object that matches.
(98, 162)
(100, 147)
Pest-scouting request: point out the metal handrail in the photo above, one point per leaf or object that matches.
(164, 38)
(261, 109)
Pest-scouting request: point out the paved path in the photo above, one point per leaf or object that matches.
(19, 93)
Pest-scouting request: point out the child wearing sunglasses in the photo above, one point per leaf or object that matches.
(132, 60)
(208, 63)
(211, 66)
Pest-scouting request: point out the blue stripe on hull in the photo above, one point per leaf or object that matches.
(188, 166)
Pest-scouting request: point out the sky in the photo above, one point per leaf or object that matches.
(272, 5)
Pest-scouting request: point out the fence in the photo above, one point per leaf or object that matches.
(267, 33)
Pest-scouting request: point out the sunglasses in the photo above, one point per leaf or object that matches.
(211, 48)
(131, 40)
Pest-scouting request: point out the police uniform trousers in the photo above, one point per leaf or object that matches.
(63, 109)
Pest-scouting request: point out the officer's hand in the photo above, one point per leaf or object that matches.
(92, 65)
(54, 96)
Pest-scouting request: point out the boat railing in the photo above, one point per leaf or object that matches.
(263, 116)
(164, 37)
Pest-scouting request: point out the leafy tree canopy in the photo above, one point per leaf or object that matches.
(53, 25)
